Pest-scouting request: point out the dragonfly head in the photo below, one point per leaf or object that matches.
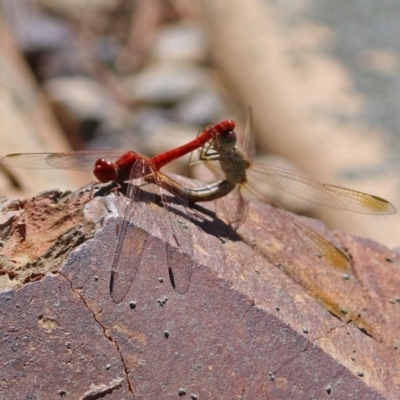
(225, 141)
(105, 171)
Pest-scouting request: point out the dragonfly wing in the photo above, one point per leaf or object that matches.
(136, 222)
(215, 168)
(78, 160)
(318, 192)
(233, 207)
(139, 218)
(175, 225)
(316, 244)
(128, 256)
(249, 146)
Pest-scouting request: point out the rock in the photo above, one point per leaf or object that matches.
(76, 8)
(165, 84)
(282, 319)
(82, 106)
(81, 97)
(180, 43)
(201, 108)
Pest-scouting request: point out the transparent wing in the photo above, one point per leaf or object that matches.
(234, 207)
(318, 245)
(133, 228)
(249, 146)
(140, 216)
(318, 192)
(212, 162)
(79, 160)
(175, 225)
(215, 168)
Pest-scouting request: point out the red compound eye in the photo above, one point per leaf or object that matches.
(105, 171)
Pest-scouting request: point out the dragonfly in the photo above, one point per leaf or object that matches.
(239, 175)
(139, 211)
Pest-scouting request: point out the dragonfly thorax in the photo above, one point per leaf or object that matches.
(234, 165)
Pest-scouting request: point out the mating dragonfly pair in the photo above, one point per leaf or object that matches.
(218, 149)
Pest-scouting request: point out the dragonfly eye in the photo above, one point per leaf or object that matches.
(226, 141)
(105, 171)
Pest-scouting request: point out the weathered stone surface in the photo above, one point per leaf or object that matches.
(244, 329)
(52, 346)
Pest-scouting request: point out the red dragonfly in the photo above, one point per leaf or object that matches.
(139, 212)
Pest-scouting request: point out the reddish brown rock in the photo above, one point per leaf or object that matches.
(262, 321)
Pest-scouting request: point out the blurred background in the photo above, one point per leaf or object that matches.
(147, 75)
